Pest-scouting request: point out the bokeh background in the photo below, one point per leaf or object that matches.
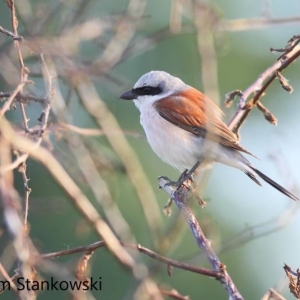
(255, 230)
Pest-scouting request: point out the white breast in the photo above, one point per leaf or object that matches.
(178, 147)
(175, 146)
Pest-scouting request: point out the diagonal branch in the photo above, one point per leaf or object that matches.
(179, 197)
(10, 34)
(259, 86)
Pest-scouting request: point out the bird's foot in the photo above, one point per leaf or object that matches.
(185, 180)
(182, 182)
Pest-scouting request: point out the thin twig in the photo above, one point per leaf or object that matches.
(272, 295)
(23, 80)
(173, 294)
(13, 95)
(12, 212)
(99, 187)
(176, 16)
(96, 131)
(259, 87)
(10, 34)
(255, 23)
(22, 97)
(179, 197)
(19, 233)
(204, 19)
(7, 277)
(22, 170)
(141, 249)
(124, 32)
(50, 95)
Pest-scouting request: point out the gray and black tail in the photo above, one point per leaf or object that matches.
(271, 182)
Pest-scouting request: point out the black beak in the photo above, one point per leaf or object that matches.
(130, 95)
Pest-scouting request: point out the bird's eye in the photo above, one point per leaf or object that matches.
(146, 89)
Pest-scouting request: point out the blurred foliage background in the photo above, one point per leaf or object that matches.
(255, 230)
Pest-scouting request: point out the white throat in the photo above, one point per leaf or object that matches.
(144, 101)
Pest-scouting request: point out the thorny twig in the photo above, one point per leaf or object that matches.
(23, 81)
(9, 195)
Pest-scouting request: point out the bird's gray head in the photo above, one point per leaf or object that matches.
(153, 86)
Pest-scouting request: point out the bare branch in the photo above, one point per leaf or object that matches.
(13, 95)
(179, 197)
(141, 249)
(174, 294)
(24, 97)
(7, 277)
(272, 294)
(261, 84)
(10, 34)
(256, 23)
(96, 131)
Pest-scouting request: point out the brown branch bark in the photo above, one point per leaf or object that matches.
(179, 197)
(259, 86)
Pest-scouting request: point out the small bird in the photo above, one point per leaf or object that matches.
(185, 128)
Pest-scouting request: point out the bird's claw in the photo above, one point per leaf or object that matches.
(169, 181)
(184, 180)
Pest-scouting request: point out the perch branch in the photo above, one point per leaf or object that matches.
(179, 197)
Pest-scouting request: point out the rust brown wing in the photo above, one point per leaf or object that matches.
(190, 112)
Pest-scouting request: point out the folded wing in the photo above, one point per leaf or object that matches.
(189, 111)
